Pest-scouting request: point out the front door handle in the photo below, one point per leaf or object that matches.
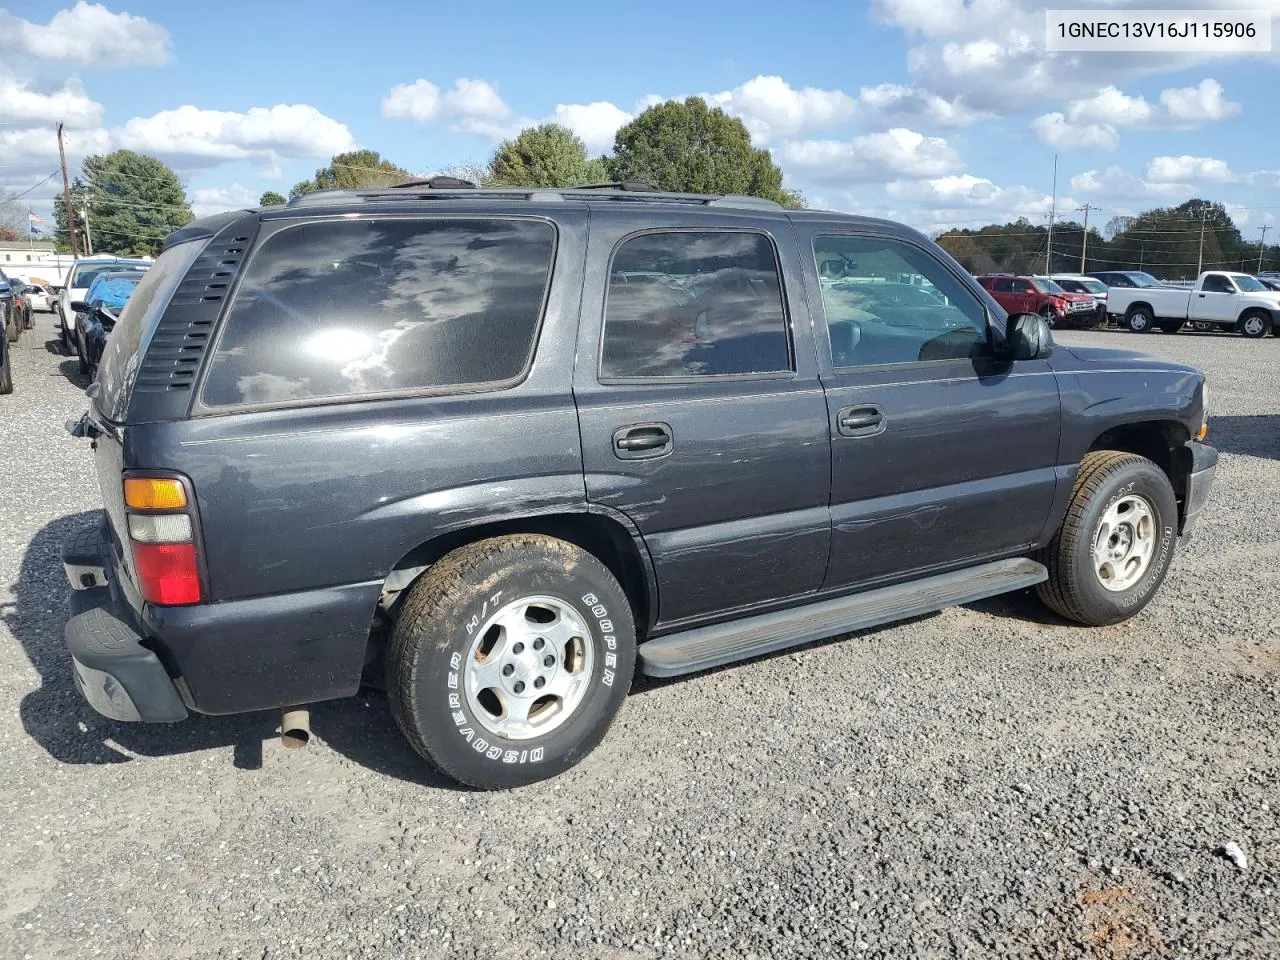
(865, 420)
(642, 441)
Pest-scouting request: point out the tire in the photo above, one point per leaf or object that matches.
(1139, 319)
(1075, 589)
(83, 360)
(13, 329)
(6, 372)
(1048, 316)
(1254, 324)
(62, 333)
(1169, 326)
(468, 730)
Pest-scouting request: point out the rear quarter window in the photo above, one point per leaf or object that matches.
(335, 309)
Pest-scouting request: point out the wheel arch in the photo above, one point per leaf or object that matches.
(1138, 304)
(1161, 441)
(1268, 318)
(611, 537)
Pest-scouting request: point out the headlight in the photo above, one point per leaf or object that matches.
(1204, 417)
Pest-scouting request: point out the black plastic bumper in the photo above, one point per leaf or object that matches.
(1204, 464)
(114, 671)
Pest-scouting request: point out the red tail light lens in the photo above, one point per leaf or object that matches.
(167, 573)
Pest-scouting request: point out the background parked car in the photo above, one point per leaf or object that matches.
(21, 305)
(1078, 283)
(1125, 278)
(96, 314)
(78, 281)
(39, 297)
(1040, 295)
(9, 312)
(1271, 283)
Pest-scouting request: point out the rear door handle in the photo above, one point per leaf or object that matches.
(642, 441)
(865, 420)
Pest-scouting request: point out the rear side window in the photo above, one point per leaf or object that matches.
(1003, 286)
(137, 321)
(694, 303)
(342, 308)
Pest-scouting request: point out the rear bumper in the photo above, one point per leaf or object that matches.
(135, 661)
(120, 678)
(1204, 464)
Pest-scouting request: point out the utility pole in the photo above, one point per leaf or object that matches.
(1084, 237)
(88, 237)
(1262, 243)
(1204, 212)
(66, 198)
(1053, 203)
(1142, 253)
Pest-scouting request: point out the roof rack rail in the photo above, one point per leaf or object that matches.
(630, 186)
(440, 182)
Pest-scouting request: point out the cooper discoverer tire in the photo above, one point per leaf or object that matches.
(1111, 490)
(462, 664)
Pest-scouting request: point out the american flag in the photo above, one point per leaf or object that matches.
(35, 221)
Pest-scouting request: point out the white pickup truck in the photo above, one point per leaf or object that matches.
(1227, 301)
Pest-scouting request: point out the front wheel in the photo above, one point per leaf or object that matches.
(62, 333)
(1116, 543)
(84, 361)
(1139, 320)
(510, 660)
(1255, 325)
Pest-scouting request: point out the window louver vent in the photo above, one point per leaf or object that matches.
(178, 344)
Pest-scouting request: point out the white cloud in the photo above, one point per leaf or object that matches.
(770, 107)
(207, 200)
(1185, 169)
(596, 123)
(70, 104)
(1057, 131)
(889, 104)
(195, 137)
(1115, 182)
(471, 106)
(876, 157)
(88, 34)
(1111, 106)
(1198, 104)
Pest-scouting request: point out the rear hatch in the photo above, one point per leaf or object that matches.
(117, 372)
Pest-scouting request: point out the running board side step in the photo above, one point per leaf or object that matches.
(713, 646)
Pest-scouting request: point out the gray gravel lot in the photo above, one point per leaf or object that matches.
(984, 782)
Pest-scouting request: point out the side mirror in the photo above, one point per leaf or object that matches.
(1027, 337)
(79, 306)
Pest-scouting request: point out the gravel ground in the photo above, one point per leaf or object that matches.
(984, 782)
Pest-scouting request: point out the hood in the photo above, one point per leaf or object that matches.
(1121, 358)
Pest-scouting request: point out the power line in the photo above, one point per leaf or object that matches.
(28, 190)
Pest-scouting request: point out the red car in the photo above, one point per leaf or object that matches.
(1019, 294)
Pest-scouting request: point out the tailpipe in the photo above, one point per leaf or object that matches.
(295, 727)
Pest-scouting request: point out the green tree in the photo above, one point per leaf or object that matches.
(133, 201)
(690, 147)
(544, 156)
(356, 170)
(270, 199)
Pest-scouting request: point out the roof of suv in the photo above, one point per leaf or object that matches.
(416, 194)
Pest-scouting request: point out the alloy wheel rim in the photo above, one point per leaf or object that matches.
(528, 668)
(1253, 325)
(1124, 543)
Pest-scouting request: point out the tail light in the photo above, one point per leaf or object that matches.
(162, 535)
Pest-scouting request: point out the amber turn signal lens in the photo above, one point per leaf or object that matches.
(154, 493)
(1204, 431)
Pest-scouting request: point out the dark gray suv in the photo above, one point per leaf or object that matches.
(512, 444)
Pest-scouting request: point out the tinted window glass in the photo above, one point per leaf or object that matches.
(897, 304)
(1004, 286)
(356, 307)
(1216, 283)
(1021, 286)
(697, 303)
(123, 353)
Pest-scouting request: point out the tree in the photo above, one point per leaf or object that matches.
(134, 201)
(356, 170)
(270, 199)
(690, 147)
(544, 156)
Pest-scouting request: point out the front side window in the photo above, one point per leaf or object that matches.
(1217, 283)
(694, 304)
(343, 308)
(897, 304)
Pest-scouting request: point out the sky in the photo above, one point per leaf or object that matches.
(936, 113)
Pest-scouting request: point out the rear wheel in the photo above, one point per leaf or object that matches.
(1116, 542)
(6, 372)
(1255, 324)
(510, 660)
(1169, 326)
(1139, 319)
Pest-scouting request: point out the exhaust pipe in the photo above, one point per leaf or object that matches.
(295, 727)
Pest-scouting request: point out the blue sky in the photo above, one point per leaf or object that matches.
(935, 112)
